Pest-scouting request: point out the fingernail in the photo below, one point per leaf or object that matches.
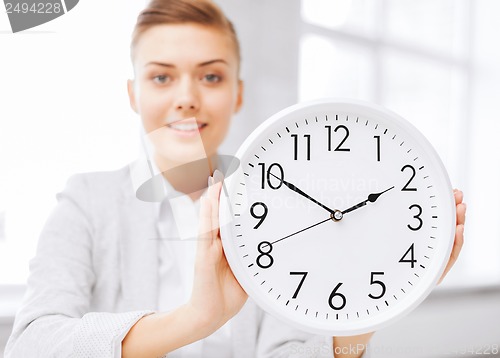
(210, 180)
(218, 176)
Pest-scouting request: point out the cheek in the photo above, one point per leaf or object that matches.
(153, 110)
(222, 114)
(223, 103)
(221, 108)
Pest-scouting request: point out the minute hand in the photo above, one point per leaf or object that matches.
(297, 190)
(371, 198)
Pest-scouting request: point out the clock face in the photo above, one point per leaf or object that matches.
(340, 217)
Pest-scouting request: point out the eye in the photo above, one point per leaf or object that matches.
(212, 78)
(161, 79)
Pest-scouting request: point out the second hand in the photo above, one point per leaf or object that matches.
(298, 232)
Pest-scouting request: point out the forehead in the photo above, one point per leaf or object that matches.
(184, 44)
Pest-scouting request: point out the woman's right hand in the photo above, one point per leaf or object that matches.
(217, 296)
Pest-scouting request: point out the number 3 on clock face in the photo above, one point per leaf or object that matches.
(340, 217)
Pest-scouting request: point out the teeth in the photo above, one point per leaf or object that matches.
(186, 127)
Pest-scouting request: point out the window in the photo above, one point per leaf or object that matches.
(440, 73)
(64, 110)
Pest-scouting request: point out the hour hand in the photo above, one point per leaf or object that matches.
(297, 190)
(371, 198)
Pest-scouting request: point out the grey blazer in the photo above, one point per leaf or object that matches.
(95, 274)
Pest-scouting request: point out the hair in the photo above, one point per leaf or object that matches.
(201, 12)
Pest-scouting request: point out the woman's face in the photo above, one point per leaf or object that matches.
(186, 89)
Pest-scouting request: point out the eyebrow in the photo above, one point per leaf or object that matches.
(206, 63)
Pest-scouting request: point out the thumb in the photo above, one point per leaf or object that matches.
(214, 196)
(205, 230)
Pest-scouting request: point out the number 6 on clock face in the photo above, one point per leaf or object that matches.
(340, 217)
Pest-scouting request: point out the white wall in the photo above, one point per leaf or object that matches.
(269, 35)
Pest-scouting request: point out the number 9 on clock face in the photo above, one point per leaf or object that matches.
(339, 217)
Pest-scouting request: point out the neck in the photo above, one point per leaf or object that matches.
(189, 178)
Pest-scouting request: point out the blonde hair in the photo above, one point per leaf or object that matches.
(201, 12)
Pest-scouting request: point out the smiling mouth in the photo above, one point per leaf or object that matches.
(188, 125)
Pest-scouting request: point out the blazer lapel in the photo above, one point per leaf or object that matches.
(138, 251)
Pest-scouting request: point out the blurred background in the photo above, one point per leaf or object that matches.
(64, 109)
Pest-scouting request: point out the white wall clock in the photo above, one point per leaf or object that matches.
(340, 217)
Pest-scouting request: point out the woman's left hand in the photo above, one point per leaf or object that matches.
(459, 232)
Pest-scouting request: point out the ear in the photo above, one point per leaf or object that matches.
(239, 98)
(131, 95)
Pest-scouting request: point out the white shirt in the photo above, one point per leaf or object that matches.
(178, 227)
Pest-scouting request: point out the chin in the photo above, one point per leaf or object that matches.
(183, 154)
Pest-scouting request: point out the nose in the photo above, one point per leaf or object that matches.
(187, 97)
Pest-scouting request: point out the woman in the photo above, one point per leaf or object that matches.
(100, 284)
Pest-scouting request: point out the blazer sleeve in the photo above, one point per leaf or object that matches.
(54, 318)
(277, 339)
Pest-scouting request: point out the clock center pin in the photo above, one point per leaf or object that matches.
(337, 215)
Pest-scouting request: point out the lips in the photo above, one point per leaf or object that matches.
(189, 125)
(186, 127)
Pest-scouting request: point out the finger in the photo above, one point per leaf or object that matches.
(215, 193)
(459, 196)
(455, 252)
(218, 176)
(218, 180)
(457, 245)
(461, 210)
(205, 226)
